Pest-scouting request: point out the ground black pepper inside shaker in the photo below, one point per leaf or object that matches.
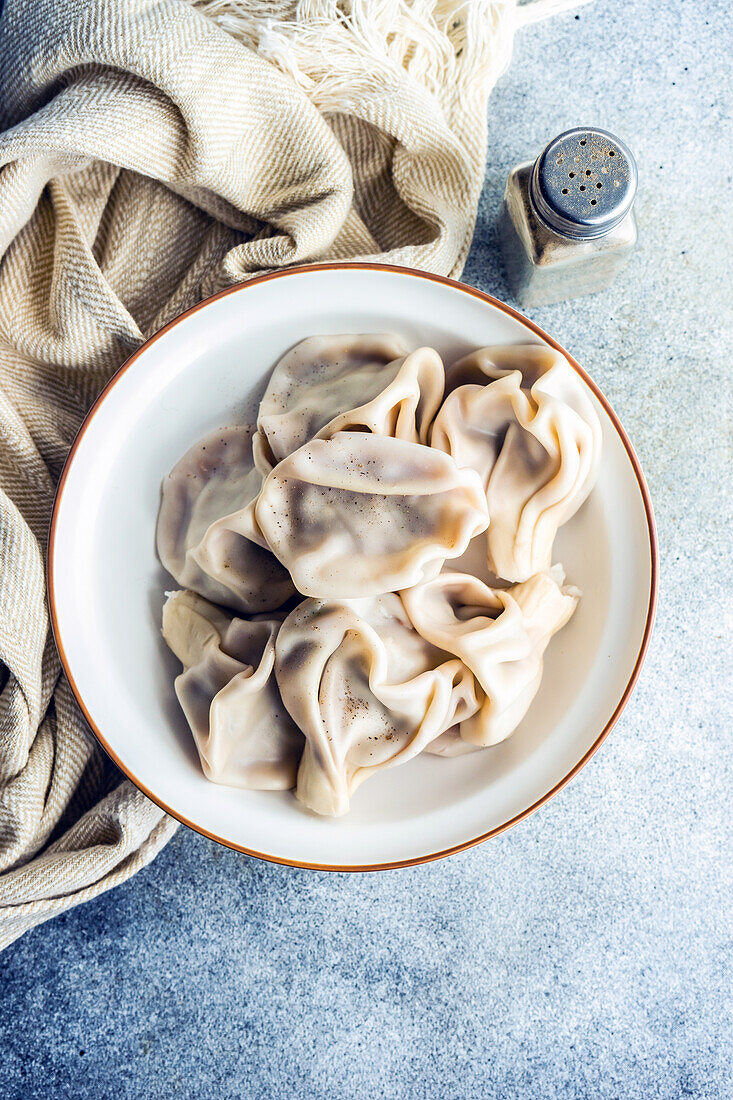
(567, 226)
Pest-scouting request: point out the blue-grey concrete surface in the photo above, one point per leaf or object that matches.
(586, 953)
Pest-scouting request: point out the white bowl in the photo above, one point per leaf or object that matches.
(106, 588)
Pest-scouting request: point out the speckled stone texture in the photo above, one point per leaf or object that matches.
(586, 953)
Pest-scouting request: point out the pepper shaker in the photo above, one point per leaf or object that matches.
(567, 225)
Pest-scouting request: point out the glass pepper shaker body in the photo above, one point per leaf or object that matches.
(567, 225)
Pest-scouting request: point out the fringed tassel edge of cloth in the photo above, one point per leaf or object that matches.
(338, 53)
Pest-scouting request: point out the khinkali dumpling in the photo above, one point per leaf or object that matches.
(360, 514)
(366, 690)
(228, 692)
(500, 635)
(207, 536)
(327, 384)
(521, 417)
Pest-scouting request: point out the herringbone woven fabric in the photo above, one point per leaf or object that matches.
(154, 151)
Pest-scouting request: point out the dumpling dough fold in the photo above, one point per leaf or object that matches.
(367, 691)
(360, 514)
(207, 536)
(521, 417)
(500, 635)
(327, 384)
(228, 693)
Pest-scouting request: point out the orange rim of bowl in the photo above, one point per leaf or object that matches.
(653, 552)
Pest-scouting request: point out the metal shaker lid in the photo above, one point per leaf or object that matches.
(583, 183)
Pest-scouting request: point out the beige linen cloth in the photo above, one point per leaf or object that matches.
(154, 151)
